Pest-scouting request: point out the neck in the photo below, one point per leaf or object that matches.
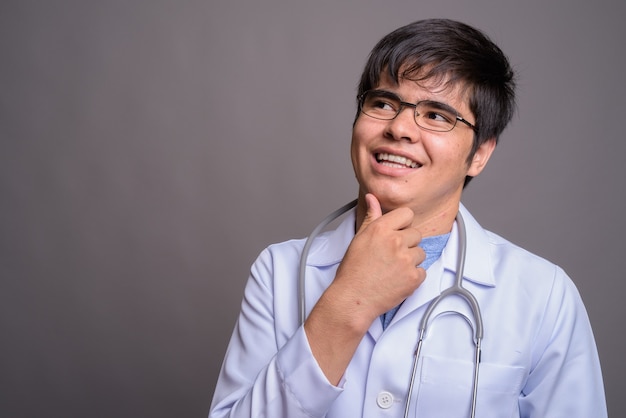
(428, 223)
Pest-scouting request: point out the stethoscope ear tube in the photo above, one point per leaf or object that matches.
(305, 254)
(456, 289)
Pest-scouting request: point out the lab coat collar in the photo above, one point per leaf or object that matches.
(330, 247)
(478, 258)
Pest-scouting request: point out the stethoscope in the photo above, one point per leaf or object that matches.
(456, 289)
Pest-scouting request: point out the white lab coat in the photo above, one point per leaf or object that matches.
(539, 357)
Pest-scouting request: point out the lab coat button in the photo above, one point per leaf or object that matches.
(384, 400)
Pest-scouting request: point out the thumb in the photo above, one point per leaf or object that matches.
(373, 210)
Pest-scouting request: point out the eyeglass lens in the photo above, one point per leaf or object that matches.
(431, 115)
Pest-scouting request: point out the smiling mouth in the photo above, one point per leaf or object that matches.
(396, 161)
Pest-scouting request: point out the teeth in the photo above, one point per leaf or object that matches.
(384, 157)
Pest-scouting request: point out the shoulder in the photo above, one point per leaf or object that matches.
(285, 249)
(503, 263)
(531, 274)
(325, 249)
(278, 257)
(506, 251)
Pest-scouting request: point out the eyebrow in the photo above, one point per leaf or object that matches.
(435, 103)
(440, 105)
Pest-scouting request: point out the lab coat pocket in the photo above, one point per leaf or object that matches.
(445, 389)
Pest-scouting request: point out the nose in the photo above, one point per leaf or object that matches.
(403, 126)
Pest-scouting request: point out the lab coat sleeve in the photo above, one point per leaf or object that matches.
(266, 372)
(565, 379)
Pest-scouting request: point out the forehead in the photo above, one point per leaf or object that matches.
(413, 89)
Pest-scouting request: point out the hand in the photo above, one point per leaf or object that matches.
(377, 273)
(379, 269)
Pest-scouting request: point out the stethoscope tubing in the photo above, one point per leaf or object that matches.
(305, 255)
(456, 289)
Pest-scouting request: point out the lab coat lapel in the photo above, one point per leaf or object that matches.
(330, 247)
(428, 290)
(479, 265)
(325, 254)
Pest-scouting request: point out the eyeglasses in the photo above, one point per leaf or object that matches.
(429, 114)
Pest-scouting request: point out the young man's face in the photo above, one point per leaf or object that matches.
(432, 187)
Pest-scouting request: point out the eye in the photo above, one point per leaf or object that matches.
(382, 104)
(438, 116)
(381, 101)
(435, 115)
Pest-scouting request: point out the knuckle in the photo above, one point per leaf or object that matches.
(395, 240)
(418, 275)
(406, 258)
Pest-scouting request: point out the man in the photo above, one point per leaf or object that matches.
(433, 99)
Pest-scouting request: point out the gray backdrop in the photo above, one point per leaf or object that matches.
(149, 150)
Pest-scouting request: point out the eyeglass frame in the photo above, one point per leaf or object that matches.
(404, 104)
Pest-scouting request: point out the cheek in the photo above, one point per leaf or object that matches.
(354, 144)
(450, 161)
(457, 151)
(354, 151)
(359, 139)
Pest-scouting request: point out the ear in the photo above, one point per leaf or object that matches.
(480, 158)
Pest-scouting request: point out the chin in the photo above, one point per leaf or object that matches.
(389, 202)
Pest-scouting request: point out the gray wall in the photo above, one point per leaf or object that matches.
(149, 150)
